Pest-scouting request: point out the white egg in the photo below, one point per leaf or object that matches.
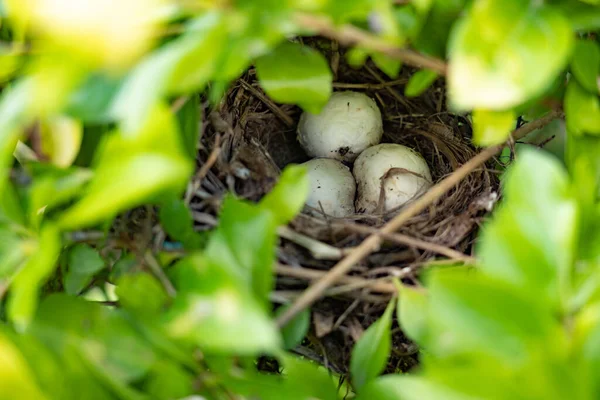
(332, 188)
(391, 174)
(348, 124)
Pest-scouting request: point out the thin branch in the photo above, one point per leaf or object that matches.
(157, 270)
(319, 250)
(286, 119)
(210, 161)
(373, 242)
(351, 35)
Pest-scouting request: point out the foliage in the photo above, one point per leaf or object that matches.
(99, 115)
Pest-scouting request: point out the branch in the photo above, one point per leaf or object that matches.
(373, 242)
(351, 35)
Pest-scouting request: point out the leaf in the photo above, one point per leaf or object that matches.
(492, 127)
(213, 307)
(13, 252)
(389, 66)
(294, 74)
(183, 65)
(504, 52)
(393, 387)
(11, 209)
(420, 82)
(583, 17)
(91, 101)
(294, 331)
(84, 262)
(141, 294)
(16, 378)
(585, 64)
(582, 110)
(189, 124)
(412, 312)
(371, 352)
(103, 338)
(61, 137)
(532, 239)
(476, 314)
(168, 380)
(245, 243)
(25, 285)
(287, 198)
(177, 221)
(148, 163)
(308, 380)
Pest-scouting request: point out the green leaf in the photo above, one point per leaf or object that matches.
(492, 127)
(244, 242)
(91, 101)
(504, 52)
(532, 239)
(475, 314)
(308, 380)
(295, 74)
(294, 331)
(29, 279)
(287, 198)
(412, 312)
(371, 352)
(213, 308)
(389, 66)
(169, 381)
(582, 110)
(420, 82)
(176, 219)
(16, 378)
(148, 163)
(393, 387)
(84, 262)
(585, 64)
(11, 209)
(13, 252)
(189, 124)
(583, 17)
(141, 293)
(183, 65)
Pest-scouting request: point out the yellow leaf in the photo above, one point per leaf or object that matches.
(492, 127)
(16, 379)
(61, 139)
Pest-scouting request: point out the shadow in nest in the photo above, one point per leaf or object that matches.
(248, 139)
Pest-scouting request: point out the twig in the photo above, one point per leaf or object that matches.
(373, 242)
(351, 35)
(210, 161)
(179, 103)
(414, 242)
(319, 250)
(157, 270)
(269, 103)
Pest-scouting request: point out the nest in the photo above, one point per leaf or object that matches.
(248, 139)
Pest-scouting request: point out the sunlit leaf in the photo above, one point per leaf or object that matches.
(412, 312)
(505, 52)
(492, 127)
(296, 74)
(84, 262)
(389, 66)
(420, 82)
(61, 137)
(371, 352)
(393, 387)
(585, 64)
(287, 198)
(25, 285)
(582, 110)
(141, 293)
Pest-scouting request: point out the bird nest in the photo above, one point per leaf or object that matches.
(248, 139)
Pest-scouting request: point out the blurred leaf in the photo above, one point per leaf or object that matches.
(244, 242)
(183, 65)
(61, 137)
(103, 338)
(25, 285)
(582, 110)
(412, 312)
(99, 33)
(14, 251)
(287, 198)
(127, 264)
(16, 378)
(189, 124)
(531, 241)
(420, 82)
(371, 352)
(492, 127)
(505, 52)
(389, 66)
(169, 381)
(11, 209)
(141, 294)
(583, 17)
(177, 221)
(294, 331)
(393, 387)
(91, 101)
(131, 170)
(585, 64)
(296, 74)
(10, 61)
(475, 314)
(213, 307)
(308, 379)
(84, 262)
(433, 29)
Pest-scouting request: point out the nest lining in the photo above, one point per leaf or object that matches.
(248, 139)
